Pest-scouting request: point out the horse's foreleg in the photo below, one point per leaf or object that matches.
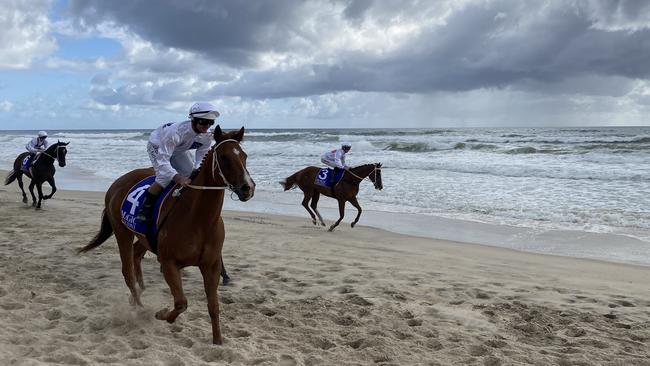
(139, 251)
(19, 177)
(39, 188)
(50, 181)
(355, 203)
(341, 214)
(211, 283)
(305, 204)
(314, 205)
(173, 277)
(31, 191)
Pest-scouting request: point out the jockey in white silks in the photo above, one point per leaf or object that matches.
(336, 159)
(168, 151)
(38, 144)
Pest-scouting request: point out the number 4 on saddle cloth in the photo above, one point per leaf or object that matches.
(324, 177)
(131, 207)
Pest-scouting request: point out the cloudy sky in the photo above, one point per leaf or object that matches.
(325, 63)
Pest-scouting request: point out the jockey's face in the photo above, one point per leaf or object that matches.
(42, 138)
(201, 125)
(346, 149)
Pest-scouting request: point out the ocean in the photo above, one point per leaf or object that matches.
(532, 181)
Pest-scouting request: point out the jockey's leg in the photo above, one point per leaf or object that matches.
(151, 195)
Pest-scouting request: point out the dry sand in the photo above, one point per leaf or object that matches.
(304, 296)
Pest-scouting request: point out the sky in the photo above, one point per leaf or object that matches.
(96, 64)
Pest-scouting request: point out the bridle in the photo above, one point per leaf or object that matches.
(215, 168)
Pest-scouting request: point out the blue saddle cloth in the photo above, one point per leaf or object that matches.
(323, 178)
(132, 204)
(27, 162)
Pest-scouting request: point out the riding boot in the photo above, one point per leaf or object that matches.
(145, 216)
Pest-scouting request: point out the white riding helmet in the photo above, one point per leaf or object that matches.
(346, 144)
(203, 110)
(42, 134)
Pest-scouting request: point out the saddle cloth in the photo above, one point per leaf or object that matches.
(324, 175)
(133, 202)
(27, 162)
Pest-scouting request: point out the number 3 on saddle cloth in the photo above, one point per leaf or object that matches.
(131, 207)
(324, 177)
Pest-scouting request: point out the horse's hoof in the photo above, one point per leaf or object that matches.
(331, 229)
(162, 314)
(313, 222)
(323, 224)
(217, 341)
(352, 224)
(225, 281)
(24, 200)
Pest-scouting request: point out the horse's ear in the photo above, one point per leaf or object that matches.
(66, 143)
(239, 136)
(217, 132)
(378, 165)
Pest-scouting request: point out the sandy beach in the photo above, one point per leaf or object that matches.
(303, 296)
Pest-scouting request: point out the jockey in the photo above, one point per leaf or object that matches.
(38, 144)
(168, 146)
(336, 159)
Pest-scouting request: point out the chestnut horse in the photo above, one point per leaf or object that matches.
(42, 170)
(192, 230)
(344, 191)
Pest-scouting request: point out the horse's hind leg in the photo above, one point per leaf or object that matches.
(173, 277)
(138, 253)
(19, 177)
(341, 214)
(125, 243)
(355, 203)
(314, 204)
(305, 204)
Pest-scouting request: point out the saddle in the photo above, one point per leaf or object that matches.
(131, 207)
(324, 177)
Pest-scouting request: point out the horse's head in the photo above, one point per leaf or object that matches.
(375, 176)
(229, 159)
(59, 152)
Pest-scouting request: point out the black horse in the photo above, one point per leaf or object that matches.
(41, 170)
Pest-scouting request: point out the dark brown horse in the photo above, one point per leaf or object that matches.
(192, 230)
(344, 191)
(42, 170)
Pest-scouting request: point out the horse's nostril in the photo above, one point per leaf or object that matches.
(245, 188)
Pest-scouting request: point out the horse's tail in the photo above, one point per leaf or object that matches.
(104, 233)
(11, 177)
(289, 183)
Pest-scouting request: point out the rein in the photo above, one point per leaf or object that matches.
(57, 153)
(215, 167)
(362, 178)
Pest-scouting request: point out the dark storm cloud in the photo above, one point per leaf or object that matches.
(490, 44)
(232, 32)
